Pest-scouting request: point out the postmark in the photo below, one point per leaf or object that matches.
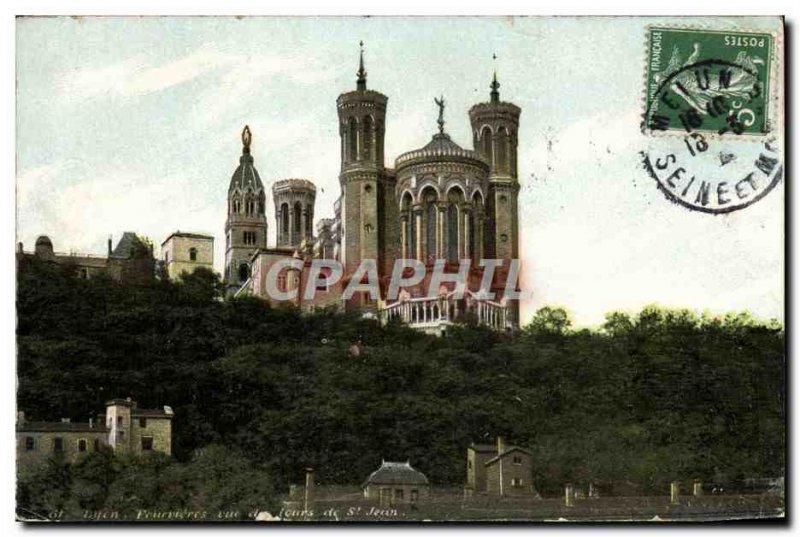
(710, 177)
(711, 143)
(708, 81)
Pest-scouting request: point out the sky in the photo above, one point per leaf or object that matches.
(133, 124)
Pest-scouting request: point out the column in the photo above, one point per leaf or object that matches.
(464, 252)
(404, 250)
(417, 212)
(441, 230)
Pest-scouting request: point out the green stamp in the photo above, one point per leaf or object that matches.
(708, 81)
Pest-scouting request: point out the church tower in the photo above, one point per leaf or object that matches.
(369, 212)
(494, 129)
(246, 226)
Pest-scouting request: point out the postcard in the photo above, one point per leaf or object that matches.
(298, 270)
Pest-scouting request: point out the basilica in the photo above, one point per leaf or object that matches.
(440, 202)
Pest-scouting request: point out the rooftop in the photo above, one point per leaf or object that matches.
(396, 473)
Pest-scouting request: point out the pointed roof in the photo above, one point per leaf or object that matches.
(130, 245)
(361, 82)
(396, 473)
(246, 176)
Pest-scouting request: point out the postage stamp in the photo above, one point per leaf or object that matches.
(708, 81)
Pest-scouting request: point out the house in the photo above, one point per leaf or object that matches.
(396, 483)
(499, 469)
(123, 428)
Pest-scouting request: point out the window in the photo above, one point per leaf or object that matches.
(244, 272)
(249, 237)
(469, 465)
(119, 421)
(192, 254)
(147, 443)
(58, 445)
(325, 274)
(30, 443)
(97, 444)
(281, 282)
(84, 274)
(82, 445)
(143, 423)
(517, 459)
(414, 495)
(516, 481)
(398, 494)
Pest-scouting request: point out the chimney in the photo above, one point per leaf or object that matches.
(109, 246)
(64, 420)
(19, 247)
(21, 418)
(501, 445)
(308, 500)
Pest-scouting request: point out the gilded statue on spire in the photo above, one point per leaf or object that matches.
(247, 137)
(440, 103)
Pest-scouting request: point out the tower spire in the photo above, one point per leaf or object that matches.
(361, 83)
(495, 85)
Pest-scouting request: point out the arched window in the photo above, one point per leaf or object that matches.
(489, 230)
(297, 214)
(411, 242)
(501, 154)
(366, 153)
(244, 272)
(477, 208)
(192, 254)
(430, 226)
(352, 140)
(486, 143)
(454, 197)
(309, 220)
(284, 219)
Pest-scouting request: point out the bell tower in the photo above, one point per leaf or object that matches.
(369, 214)
(246, 225)
(495, 127)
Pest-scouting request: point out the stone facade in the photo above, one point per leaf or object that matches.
(130, 262)
(439, 202)
(124, 428)
(498, 469)
(184, 252)
(294, 212)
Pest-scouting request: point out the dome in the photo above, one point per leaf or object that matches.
(246, 176)
(44, 240)
(440, 149)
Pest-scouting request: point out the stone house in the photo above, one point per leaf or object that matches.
(396, 483)
(499, 469)
(123, 428)
(184, 252)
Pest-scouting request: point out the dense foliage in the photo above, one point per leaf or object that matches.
(643, 400)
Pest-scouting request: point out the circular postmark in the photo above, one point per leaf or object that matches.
(712, 160)
(715, 96)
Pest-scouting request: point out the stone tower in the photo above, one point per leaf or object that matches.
(294, 211)
(369, 211)
(495, 127)
(246, 226)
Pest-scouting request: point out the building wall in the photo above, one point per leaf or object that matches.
(395, 494)
(476, 469)
(511, 471)
(176, 254)
(118, 420)
(44, 442)
(157, 428)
